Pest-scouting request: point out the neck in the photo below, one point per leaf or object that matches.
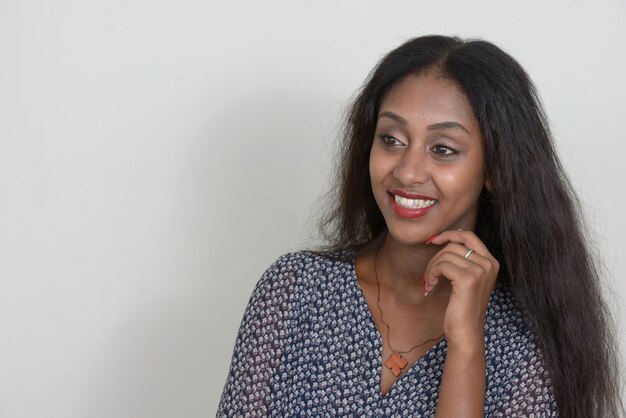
(402, 267)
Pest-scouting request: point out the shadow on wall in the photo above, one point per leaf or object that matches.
(248, 181)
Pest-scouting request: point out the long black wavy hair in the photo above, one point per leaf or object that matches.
(531, 219)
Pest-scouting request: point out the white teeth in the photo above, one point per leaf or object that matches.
(413, 203)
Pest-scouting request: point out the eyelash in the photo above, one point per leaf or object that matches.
(447, 147)
(384, 138)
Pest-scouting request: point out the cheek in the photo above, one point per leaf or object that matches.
(377, 167)
(464, 184)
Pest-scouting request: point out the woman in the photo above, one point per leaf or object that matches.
(457, 281)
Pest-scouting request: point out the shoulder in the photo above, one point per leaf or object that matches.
(296, 283)
(308, 265)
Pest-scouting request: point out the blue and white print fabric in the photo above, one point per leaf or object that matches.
(308, 347)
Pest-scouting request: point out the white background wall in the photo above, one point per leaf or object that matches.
(156, 156)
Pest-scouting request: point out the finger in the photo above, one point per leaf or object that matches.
(459, 266)
(465, 238)
(444, 270)
(462, 251)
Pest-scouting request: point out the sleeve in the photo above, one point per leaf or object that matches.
(259, 345)
(527, 390)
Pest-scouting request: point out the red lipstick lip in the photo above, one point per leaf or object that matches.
(408, 213)
(410, 195)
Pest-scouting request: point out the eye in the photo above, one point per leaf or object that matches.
(443, 150)
(389, 140)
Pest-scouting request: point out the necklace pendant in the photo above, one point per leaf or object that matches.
(396, 363)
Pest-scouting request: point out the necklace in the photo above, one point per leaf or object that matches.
(395, 362)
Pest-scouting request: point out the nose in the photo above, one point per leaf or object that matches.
(412, 168)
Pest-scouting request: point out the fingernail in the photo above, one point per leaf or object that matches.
(431, 238)
(424, 284)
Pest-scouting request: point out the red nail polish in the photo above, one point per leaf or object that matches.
(431, 238)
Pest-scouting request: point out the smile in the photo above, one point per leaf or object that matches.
(410, 205)
(413, 203)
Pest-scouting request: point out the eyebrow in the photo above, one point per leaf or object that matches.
(433, 127)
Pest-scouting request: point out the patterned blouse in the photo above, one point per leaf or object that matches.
(308, 347)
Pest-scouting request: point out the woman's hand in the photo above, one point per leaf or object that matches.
(473, 278)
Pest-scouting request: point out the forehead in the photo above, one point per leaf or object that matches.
(429, 97)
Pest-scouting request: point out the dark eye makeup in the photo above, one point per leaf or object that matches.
(444, 150)
(440, 149)
(389, 140)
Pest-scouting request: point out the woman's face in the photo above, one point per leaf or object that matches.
(426, 161)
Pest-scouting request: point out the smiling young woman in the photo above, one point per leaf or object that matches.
(456, 281)
(427, 172)
(426, 159)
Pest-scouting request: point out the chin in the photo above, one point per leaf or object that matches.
(407, 238)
